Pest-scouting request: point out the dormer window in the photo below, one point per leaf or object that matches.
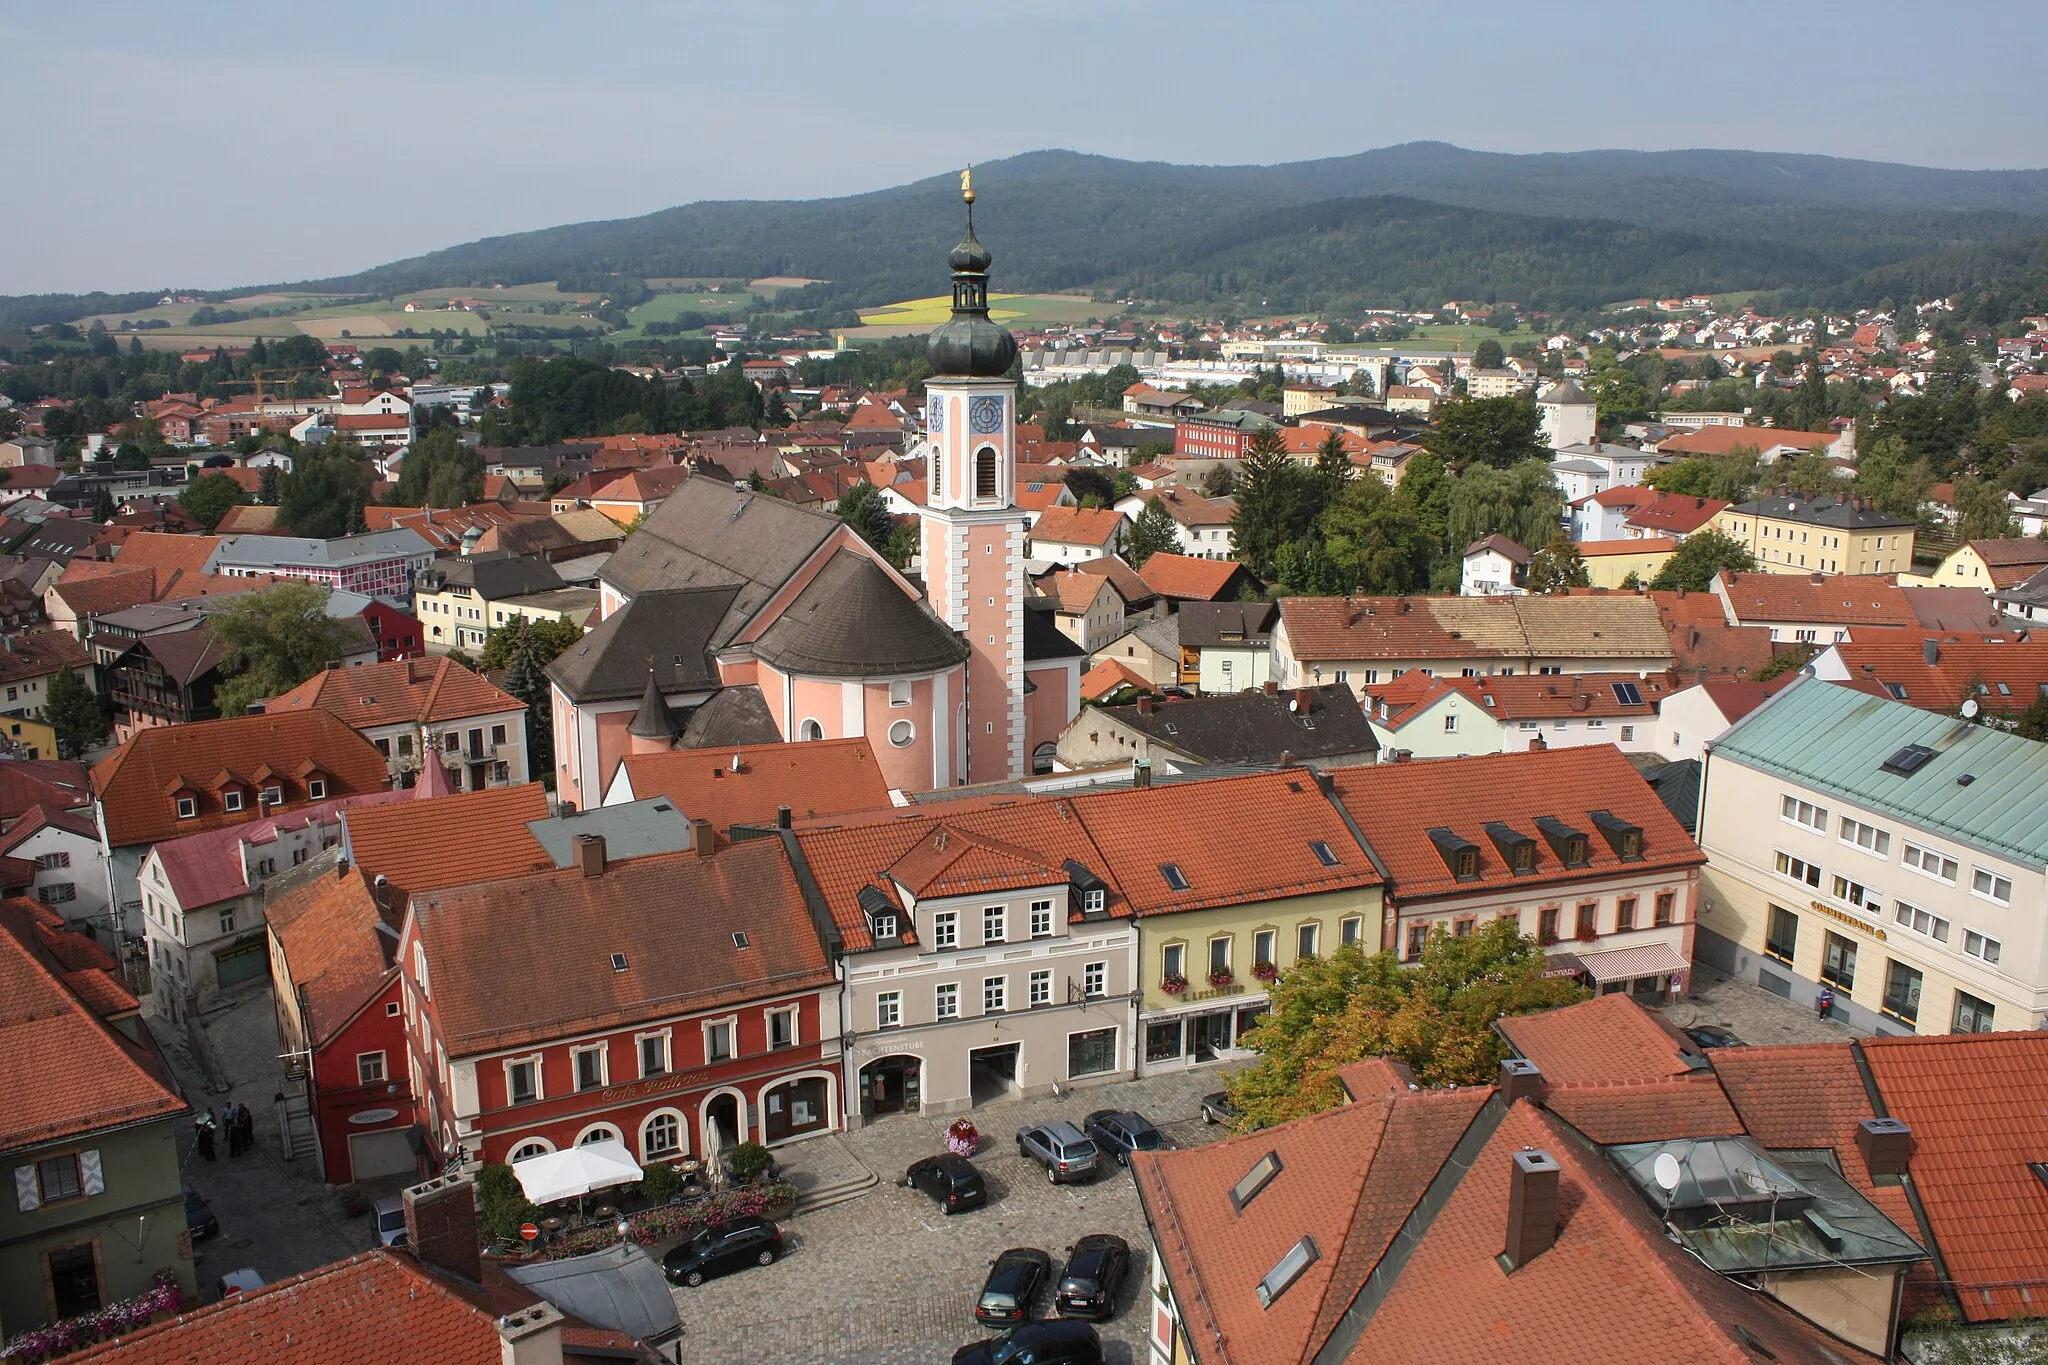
(1175, 878)
(273, 796)
(1517, 849)
(316, 789)
(885, 926)
(188, 807)
(1094, 902)
(1570, 845)
(1625, 838)
(1257, 1178)
(1460, 854)
(231, 801)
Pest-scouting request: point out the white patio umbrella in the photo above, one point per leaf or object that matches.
(576, 1171)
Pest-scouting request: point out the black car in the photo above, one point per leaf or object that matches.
(1096, 1266)
(950, 1179)
(1713, 1037)
(1040, 1343)
(1217, 1108)
(199, 1219)
(1121, 1132)
(721, 1248)
(1014, 1279)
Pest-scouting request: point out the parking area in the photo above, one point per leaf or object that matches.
(887, 1279)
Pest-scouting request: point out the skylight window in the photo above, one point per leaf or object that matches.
(1175, 878)
(1628, 694)
(739, 938)
(1898, 690)
(618, 962)
(1257, 1178)
(1287, 1270)
(1908, 760)
(1325, 855)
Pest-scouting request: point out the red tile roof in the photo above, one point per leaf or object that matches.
(138, 784)
(822, 778)
(1187, 578)
(63, 1071)
(1107, 676)
(1189, 508)
(483, 941)
(60, 784)
(1835, 600)
(1095, 526)
(1396, 804)
(1609, 1038)
(1074, 591)
(1702, 638)
(2005, 677)
(421, 691)
(1691, 1106)
(40, 653)
(1721, 440)
(167, 553)
(1646, 545)
(1674, 514)
(1534, 696)
(1129, 584)
(1978, 1107)
(436, 841)
(335, 956)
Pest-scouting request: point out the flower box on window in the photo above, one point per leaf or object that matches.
(1173, 985)
(1265, 971)
(1221, 978)
(1589, 935)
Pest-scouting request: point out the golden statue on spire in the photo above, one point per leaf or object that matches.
(967, 185)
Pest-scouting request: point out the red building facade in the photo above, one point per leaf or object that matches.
(396, 631)
(362, 1096)
(1208, 438)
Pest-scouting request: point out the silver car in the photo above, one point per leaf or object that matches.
(1068, 1154)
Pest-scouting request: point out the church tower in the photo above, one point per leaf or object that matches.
(973, 535)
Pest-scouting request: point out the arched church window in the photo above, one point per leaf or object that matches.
(810, 730)
(985, 485)
(938, 469)
(1042, 757)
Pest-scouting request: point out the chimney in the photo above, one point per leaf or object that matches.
(1519, 1079)
(1532, 1208)
(1930, 650)
(1700, 673)
(1146, 704)
(1301, 701)
(532, 1336)
(1272, 688)
(1681, 594)
(341, 867)
(1536, 742)
(1287, 758)
(1403, 755)
(700, 838)
(782, 817)
(1141, 772)
(1887, 1146)
(590, 854)
(440, 1226)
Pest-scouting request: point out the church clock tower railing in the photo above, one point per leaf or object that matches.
(973, 534)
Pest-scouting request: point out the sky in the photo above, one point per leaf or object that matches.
(225, 143)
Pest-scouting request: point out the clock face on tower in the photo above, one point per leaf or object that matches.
(935, 415)
(985, 415)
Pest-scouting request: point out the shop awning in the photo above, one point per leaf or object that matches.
(1626, 964)
(576, 1170)
(1563, 964)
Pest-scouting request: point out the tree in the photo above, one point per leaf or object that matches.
(1558, 565)
(439, 471)
(862, 508)
(1436, 1016)
(323, 496)
(1982, 511)
(77, 716)
(1486, 431)
(103, 508)
(1154, 532)
(130, 456)
(540, 640)
(1699, 557)
(533, 646)
(1488, 355)
(209, 497)
(270, 483)
(1522, 503)
(1277, 501)
(1810, 474)
(1375, 540)
(275, 638)
(1619, 397)
(1333, 462)
(1895, 481)
(1730, 478)
(1426, 486)
(1219, 482)
(2032, 723)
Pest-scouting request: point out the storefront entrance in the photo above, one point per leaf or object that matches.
(796, 1107)
(722, 1122)
(992, 1073)
(1210, 1034)
(891, 1085)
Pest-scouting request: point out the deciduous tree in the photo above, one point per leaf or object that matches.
(1486, 431)
(209, 497)
(1154, 532)
(1558, 565)
(1703, 554)
(78, 717)
(275, 638)
(1982, 512)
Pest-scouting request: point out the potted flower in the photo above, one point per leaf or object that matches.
(962, 1138)
(1265, 971)
(1546, 939)
(1222, 977)
(1589, 934)
(1173, 985)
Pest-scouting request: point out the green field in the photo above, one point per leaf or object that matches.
(922, 315)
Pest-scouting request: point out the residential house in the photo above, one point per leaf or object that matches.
(1150, 651)
(2027, 601)
(161, 677)
(1202, 526)
(19, 451)
(165, 782)
(1087, 607)
(1793, 533)
(672, 1035)
(378, 564)
(1419, 399)
(1067, 535)
(1428, 717)
(1691, 718)
(1570, 843)
(1494, 565)
(1770, 443)
(1894, 855)
(757, 785)
(414, 707)
(1704, 645)
(1184, 579)
(30, 661)
(1670, 516)
(461, 601)
(439, 838)
(202, 901)
(1602, 516)
(1994, 678)
(1318, 726)
(570, 606)
(1612, 563)
(1366, 640)
(1992, 566)
(1225, 646)
(1144, 400)
(90, 1133)
(62, 845)
(1814, 608)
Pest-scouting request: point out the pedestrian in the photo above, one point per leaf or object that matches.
(1824, 1002)
(205, 1126)
(233, 1128)
(247, 1123)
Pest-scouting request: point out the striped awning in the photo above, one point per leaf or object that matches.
(1626, 964)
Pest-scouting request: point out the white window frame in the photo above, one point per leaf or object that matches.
(1351, 931)
(731, 1024)
(1806, 814)
(888, 1009)
(231, 801)
(604, 1070)
(379, 1060)
(1038, 988)
(1266, 946)
(789, 1012)
(1041, 911)
(316, 789)
(1314, 930)
(188, 808)
(531, 1059)
(648, 1153)
(1166, 956)
(1982, 943)
(1985, 874)
(946, 1000)
(999, 917)
(995, 994)
(1794, 869)
(1852, 833)
(946, 929)
(1915, 857)
(1095, 980)
(899, 692)
(1093, 900)
(1904, 914)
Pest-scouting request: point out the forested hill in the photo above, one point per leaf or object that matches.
(1554, 228)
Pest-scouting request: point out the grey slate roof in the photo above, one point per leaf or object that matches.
(495, 577)
(1819, 512)
(1254, 727)
(1678, 786)
(259, 552)
(1208, 625)
(1044, 642)
(1564, 391)
(1162, 633)
(631, 830)
(668, 631)
(621, 1288)
(738, 715)
(852, 621)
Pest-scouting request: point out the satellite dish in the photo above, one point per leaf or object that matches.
(1666, 1171)
(1970, 709)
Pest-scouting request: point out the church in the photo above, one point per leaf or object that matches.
(731, 617)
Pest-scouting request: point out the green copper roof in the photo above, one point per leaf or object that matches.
(1836, 739)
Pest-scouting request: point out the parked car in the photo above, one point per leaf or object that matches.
(1217, 1108)
(390, 1212)
(1096, 1266)
(1039, 1343)
(952, 1180)
(239, 1281)
(1069, 1155)
(1713, 1037)
(199, 1219)
(721, 1248)
(1014, 1279)
(1121, 1132)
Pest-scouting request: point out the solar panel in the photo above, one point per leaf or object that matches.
(1628, 694)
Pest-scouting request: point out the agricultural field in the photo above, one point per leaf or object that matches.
(921, 315)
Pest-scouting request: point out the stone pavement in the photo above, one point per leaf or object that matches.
(275, 1216)
(1750, 1012)
(887, 1279)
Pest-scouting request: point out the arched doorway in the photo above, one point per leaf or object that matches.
(723, 1124)
(1042, 758)
(796, 1107)
(891, 1085)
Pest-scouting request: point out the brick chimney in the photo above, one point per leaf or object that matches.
(1887, 1146)
(1930, 650)
(440, 1226)
(1532, 1208)
(590, 854)
(1146, 704)
(1301, 701)
(782, 817)
(532, 1336)
(1272, 688)
(1520, 1079)
(701, 840)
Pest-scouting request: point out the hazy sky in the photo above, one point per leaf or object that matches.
(224, 143)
